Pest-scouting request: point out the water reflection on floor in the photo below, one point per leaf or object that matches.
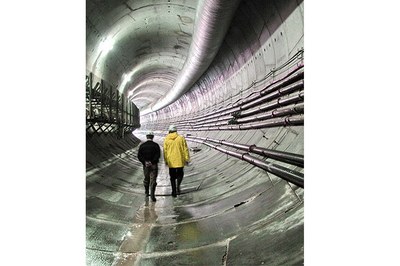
(226, 207)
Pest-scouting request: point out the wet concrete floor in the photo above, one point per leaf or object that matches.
(229, 213)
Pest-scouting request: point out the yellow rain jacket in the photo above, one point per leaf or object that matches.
(176, 152)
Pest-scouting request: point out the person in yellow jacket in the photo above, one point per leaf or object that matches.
(176, 156)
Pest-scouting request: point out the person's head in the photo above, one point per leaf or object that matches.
(150, 135)
(172, 129)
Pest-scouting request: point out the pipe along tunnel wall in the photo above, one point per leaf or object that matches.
(242, 195)
(230, 212)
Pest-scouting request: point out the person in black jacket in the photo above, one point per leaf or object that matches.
(149, 155)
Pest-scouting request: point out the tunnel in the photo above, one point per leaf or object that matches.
(229, 74)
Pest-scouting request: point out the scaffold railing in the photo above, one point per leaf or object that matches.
(107, 110)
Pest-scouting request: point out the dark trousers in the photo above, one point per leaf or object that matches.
(150, 176)
(176, 176)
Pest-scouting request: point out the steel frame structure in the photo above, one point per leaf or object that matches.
(107, 110)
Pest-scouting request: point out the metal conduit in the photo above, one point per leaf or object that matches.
(291, 158)
(279, 112)
(285, 121)
(286, 81)
(222, 118)
(273, 71)
(281, 102)
(289, 175)
(233, 110)
(273, 95)
(287, 157)
(298, 109)
(255, 101)
(219, 119)
(293, 76)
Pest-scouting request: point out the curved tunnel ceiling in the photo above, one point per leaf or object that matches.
(244, 95)
(135, 40)
(148, 43)
(142, 46)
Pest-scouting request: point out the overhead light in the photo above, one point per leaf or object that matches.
(127, 77)
(106, 45)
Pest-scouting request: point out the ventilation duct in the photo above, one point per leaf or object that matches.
(213, 19)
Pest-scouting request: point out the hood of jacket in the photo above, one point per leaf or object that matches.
(172, 136)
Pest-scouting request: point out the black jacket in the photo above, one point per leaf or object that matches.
(149, 151)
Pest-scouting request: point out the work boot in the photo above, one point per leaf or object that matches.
(173, 185)
(146, 189)
(153, 191)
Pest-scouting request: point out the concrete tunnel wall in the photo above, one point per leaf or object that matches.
(230, 212)
(262, 38)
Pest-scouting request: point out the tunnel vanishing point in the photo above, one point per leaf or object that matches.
(230, 75)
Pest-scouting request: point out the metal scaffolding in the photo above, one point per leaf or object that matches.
(108, 111)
